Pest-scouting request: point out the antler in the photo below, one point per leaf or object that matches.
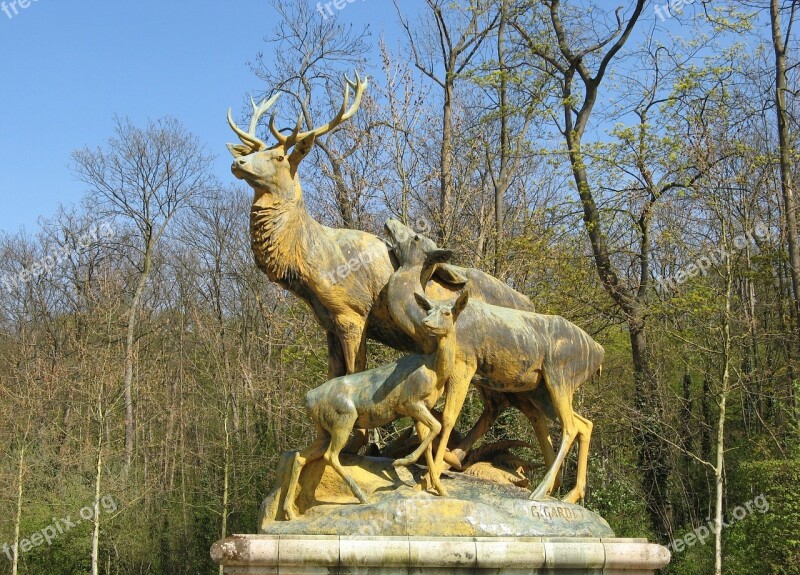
(344, 114)
(249, 138)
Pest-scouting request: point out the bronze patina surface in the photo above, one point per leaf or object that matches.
(471, 326)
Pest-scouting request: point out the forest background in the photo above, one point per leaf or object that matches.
(640, 183)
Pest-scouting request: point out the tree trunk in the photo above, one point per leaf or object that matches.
(225, 484)
(97, 495)
(133, 314)
(18, 518)
(719, 481)
(501, 183)
(686, 419)
(446, 164)
(705, 438)
(719, 469)
(790, 208)
(653, 460)
(343, 200)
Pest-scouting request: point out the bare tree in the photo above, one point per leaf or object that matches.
(459, 37)
(144, 176)
(310, 53)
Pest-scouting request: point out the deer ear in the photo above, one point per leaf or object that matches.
(301, 149)
(437, 256)
(238, 150)
(431, 265)
(423, 302)
(447, 274)
(461, 303)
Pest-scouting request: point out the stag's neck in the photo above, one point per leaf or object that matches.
(279, 236)
(445, 357)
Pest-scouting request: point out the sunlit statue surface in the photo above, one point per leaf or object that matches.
(460, 326)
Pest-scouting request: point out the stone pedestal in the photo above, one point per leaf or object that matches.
(351, 555)
(482, 527)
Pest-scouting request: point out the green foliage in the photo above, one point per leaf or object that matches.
(694, 560)
(766, 543)
(618, 500)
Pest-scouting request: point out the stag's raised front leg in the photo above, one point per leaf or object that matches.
(352, 337)
(361, 356)
(336, 363)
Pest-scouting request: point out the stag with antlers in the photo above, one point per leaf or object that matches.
(302, 255)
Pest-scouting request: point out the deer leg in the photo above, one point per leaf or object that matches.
(339, 438)
(336, 363)
(314, 451)
(337, 367)
(584, 435)
(492, 408)
(455, 394)
(562, 403)
(421, 414)
(352, 338)
(426, 484)
(361, 355)
(539, 423)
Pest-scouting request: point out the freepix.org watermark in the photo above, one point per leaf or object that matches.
(59, 527)
(326, 9)
(12, 8)
(665, 11)
(51, 260)
(711, 259)
(363, 259)
(704, 532)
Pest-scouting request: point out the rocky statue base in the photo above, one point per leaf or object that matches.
(474, 507)
(481, 526)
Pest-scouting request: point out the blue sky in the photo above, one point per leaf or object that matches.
(68, 66)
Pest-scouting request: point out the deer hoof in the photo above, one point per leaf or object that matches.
(453, 461)
(541, 494)
(574, 496)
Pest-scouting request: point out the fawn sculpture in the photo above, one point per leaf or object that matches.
(408, 387)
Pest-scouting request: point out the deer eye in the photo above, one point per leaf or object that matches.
(279, 158)
(416, 238)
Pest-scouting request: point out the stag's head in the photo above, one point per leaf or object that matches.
(441, 315)
(273, 169)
